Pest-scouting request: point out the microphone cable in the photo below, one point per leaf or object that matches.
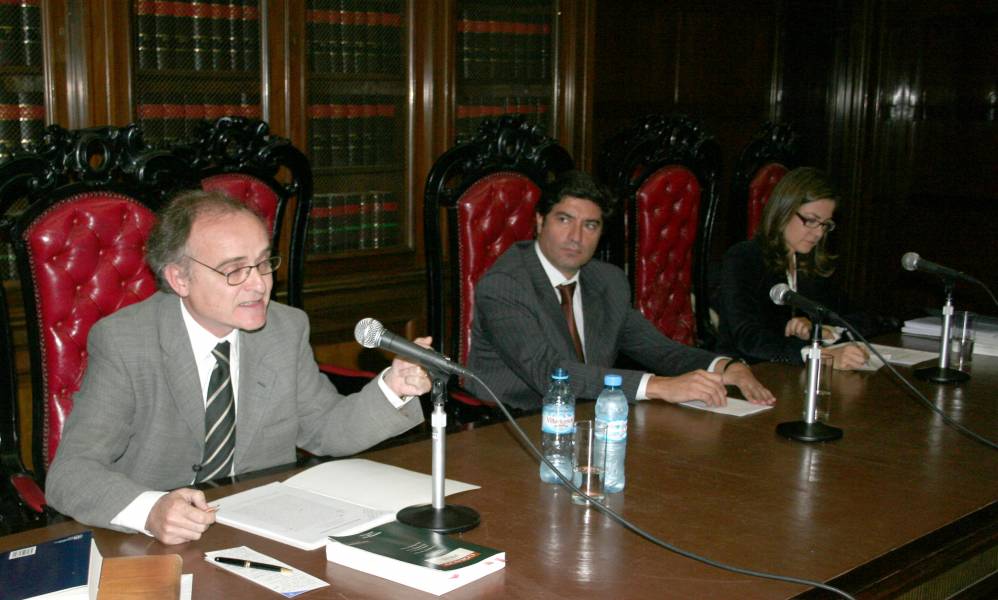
(641, 532)
(916, 392)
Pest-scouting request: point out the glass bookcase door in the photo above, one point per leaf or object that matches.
(356, 124)
(194, 60)
(22, 92)
(505, 52)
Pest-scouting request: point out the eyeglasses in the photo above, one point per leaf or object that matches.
(240, 275)
(813, 223)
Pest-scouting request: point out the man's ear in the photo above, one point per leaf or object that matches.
(540, 224)
(178, 279)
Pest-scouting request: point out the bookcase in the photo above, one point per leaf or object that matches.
(193, 60)
(504, 58)
(22, 91)
(356, 120)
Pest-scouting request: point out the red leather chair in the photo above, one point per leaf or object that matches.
(485, 191)
(772, 153)
(665, 170)
(90, 197)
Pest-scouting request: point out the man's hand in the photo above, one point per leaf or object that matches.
(180, 516)
(738, 374)
(407, 379)
(848, 356)
(695, 385)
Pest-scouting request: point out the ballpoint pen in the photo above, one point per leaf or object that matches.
(249, 564)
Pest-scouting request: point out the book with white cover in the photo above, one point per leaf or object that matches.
(986, 332)
(334, 498)
(418, 558)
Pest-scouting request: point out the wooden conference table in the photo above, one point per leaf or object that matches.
(901, 497)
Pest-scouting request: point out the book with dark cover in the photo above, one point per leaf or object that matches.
(31, 33)
(44, 568)
(418, 558)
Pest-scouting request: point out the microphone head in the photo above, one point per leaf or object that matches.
(777, 292)
(368, 332)
(910, 261)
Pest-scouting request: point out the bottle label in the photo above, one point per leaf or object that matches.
(558, 419)
(616, 431)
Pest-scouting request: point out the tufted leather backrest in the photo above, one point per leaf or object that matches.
(494, 212)
(86, 257)
(759, 190)
(667, 219)
(249, 190)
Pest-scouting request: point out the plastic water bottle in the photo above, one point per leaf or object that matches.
(557, 426)
(611, 408)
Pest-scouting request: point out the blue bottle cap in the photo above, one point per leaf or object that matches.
(612, 380)
(560, 374)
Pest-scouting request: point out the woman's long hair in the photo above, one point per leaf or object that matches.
(798, 187)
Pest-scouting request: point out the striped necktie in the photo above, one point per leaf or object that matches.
(219, 420)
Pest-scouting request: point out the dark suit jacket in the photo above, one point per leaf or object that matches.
(519, 334)
(751, 325)
(138, 420)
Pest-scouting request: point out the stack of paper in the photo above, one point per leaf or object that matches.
(985, 329)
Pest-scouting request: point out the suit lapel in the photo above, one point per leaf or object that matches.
(256, 382)
(178, 362)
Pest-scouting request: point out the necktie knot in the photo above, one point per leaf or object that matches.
(567, 291)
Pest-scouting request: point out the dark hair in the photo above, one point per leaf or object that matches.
(577, 184)
(167, 242)
(797, 188)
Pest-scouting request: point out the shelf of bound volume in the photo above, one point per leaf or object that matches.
(504, 64)
(342, 221)
(194, 61)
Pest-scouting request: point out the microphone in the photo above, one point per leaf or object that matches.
(370, 333)
(781, 294)
(911, 261)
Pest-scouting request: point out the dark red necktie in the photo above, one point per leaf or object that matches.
(567, 290)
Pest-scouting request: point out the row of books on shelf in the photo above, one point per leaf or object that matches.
(22, 121)
(21, 33)
(353, 131)
(493, 45)
(353, 221)
(168, 118)
(354, 36)
(471, 112)
(223, 35)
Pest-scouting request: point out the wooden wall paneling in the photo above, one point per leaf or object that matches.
(54, 41)
(573, 102)
(100, 63)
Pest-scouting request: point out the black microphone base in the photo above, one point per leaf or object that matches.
(940, 375)
(452, 518)
(803, 431)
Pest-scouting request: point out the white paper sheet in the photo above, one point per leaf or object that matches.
(288, 585)
(736, 407)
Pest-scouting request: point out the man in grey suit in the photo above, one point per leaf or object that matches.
(138, 425)
(521, 333)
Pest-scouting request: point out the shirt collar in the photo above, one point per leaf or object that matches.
(202, 340)
(554, 275)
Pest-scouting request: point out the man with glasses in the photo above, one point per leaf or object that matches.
(205, 379)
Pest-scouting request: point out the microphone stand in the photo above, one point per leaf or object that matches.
(439, 516)
(811, 429)
(943, 373)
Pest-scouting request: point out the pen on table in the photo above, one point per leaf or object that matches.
(249, 564)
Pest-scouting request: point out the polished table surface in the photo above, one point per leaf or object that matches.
(725, 487)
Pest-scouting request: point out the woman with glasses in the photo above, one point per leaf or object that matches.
(788, 247)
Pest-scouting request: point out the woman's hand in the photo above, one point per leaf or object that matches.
(848, 356)
(798, 327)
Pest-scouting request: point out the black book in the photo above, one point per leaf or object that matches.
(31, 118)
(163, 37)
(31, 33)
(354, 126)
(10, 40)
(219, 32)
(183, 35)
(145, 34)
(338, 133)
(234, 34)
(201, 29)
(319, 133)
(250, 35)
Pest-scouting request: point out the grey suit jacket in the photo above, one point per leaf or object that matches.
(138, 420)
(519, 334)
